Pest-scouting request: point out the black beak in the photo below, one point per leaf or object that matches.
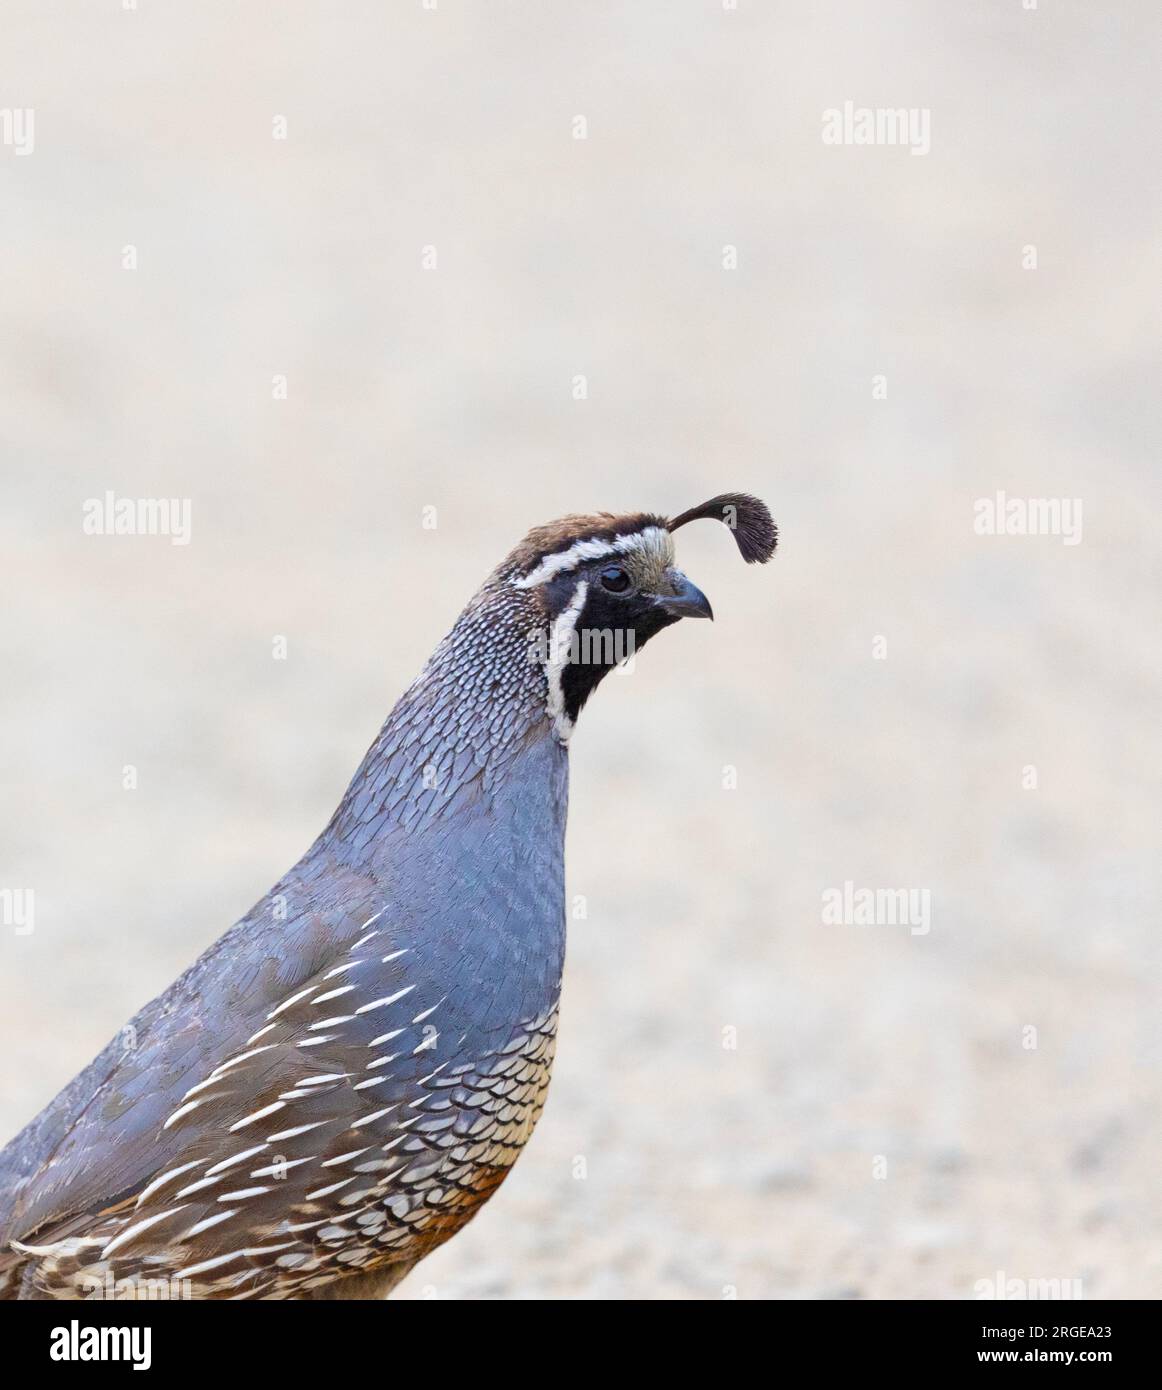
(686, 600)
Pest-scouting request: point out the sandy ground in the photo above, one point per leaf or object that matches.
(747, 1100)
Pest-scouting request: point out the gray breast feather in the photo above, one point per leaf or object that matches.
(477, 901)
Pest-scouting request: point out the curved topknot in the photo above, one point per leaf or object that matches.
(749, 520)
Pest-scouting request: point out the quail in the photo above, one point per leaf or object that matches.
(341, 1081)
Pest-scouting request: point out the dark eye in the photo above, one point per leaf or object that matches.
(615, 579)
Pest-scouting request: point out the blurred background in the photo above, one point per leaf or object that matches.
(387, 208)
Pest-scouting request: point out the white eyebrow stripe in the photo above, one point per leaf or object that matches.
(580, 551)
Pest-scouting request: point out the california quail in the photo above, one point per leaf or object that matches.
(337, 1085)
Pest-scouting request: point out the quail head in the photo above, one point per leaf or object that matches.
(338, 1083)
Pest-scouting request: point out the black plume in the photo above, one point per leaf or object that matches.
(755, 532)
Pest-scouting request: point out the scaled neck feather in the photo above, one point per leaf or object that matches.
(458, 732)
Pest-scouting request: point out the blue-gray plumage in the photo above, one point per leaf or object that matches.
(342, 1079)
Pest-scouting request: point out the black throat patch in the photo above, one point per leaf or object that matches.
(608, 631)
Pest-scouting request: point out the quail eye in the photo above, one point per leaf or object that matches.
(615, 579)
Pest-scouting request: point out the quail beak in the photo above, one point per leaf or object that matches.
(685, 600)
